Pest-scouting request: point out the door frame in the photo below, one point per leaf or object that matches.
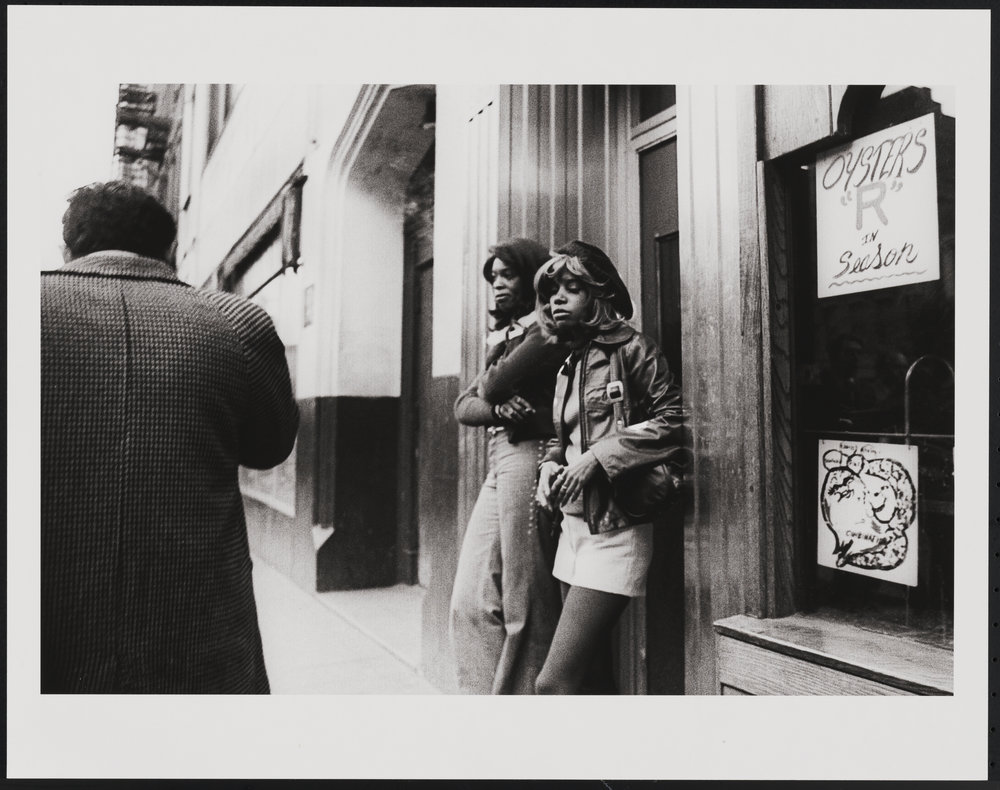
(657, 129)
(408, 530)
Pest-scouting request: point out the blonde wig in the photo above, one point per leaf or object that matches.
(600, 313)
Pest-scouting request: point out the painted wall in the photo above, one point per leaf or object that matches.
(261, 144)
(368, 330)
(271, 130)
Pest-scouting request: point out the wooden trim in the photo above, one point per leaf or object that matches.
(654, 135)
(626, 227)
(893, 661)
(747, 668)
(356, 128)
(781, 562)
(654, 121)
(579, 160)
(406, 570)
(505, 222)
(751, 321)
(556, 111)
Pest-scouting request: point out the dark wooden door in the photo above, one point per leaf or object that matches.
(661, 321)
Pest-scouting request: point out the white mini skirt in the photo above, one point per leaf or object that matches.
(614, 562)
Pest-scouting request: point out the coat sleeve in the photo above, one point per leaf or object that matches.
(534, 355)
(270, 420)
(470, 409)
(654, 393)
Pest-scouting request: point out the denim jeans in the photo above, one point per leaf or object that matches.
(505, 603)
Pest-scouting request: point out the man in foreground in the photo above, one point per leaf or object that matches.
(152, 394)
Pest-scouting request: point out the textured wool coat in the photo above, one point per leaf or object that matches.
(152, 394)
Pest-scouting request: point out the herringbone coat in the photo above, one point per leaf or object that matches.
(152, 394)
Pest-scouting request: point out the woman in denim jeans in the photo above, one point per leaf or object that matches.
(505, 603)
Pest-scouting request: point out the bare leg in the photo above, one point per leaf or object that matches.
(587, 617)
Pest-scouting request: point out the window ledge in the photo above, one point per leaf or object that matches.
(891, 660)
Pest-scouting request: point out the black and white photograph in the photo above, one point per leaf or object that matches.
(373, 367)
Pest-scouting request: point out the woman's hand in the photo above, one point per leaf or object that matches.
(514, 411)
(569, 481)
(543, 493)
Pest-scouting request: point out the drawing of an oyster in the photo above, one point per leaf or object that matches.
(868, 504)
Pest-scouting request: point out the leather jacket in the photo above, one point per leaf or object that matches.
(652, 411)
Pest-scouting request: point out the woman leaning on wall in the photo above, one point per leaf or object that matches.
(617, 457)
(505, 603)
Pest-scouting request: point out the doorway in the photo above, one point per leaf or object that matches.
(659, 626)
(660, 264)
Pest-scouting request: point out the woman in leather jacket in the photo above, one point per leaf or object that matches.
(603, 555)
(505, 603)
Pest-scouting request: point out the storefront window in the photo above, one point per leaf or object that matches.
(873, 351)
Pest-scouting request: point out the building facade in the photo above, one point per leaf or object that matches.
(791, 248)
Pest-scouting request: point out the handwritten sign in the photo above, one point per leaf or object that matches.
(876, 211)
(868, 509)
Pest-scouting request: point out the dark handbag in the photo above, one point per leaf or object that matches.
(644, 492)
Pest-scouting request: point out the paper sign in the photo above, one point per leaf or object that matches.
(868, 509)
(876, 211)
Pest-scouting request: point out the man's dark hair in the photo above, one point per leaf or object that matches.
(117, 216)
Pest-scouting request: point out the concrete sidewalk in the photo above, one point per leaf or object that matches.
(352, 642)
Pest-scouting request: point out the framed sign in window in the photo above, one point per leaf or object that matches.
(877, 211)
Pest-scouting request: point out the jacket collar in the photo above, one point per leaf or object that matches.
(519, 325)
(615, 336)
(117, 263)
(514, 329)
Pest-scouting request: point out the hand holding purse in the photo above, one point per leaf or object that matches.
(644, 492)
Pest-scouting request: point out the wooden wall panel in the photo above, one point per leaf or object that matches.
(721, 317)
(440, 540)
(755, 670)
(702, 371)
(489, 217)
(559, 170)
(546, 205)
(504, 121)
(796, 115)
(530, 161)
(573, 187)
(560, 164)
(592, 166)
